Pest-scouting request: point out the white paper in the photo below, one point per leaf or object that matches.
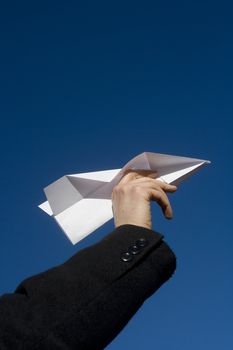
(80, 203)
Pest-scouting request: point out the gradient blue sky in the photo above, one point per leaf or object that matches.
(87, 86)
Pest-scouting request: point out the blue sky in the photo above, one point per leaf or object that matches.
(88, 85)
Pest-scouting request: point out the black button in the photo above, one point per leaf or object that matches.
(141, 242)
(134, 249)
(126, 256)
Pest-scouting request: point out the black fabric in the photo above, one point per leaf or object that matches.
(84, 303)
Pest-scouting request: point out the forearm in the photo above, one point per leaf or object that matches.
(78, 302)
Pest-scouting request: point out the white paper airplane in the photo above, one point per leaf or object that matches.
(80, 203)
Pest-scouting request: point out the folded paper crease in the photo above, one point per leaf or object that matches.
(81, 203)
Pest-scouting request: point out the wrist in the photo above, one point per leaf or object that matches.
(135, 223)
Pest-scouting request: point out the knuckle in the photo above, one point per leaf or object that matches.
(159, 184)
(159, 196)
(115, 189)
(138, 189)
(129, 173)
(119, 189)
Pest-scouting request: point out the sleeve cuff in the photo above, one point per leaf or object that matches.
(125, 247)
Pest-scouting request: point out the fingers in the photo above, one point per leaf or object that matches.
(156, 191)
(161, 198)
(156, 183)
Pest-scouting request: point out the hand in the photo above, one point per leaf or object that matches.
(132, 195)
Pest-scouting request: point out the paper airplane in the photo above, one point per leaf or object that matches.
(80, 203)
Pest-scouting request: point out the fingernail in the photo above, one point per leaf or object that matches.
(169, 217)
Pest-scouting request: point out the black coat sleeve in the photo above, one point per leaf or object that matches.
(85, 302)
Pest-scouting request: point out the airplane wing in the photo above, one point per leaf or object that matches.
(81, 203)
